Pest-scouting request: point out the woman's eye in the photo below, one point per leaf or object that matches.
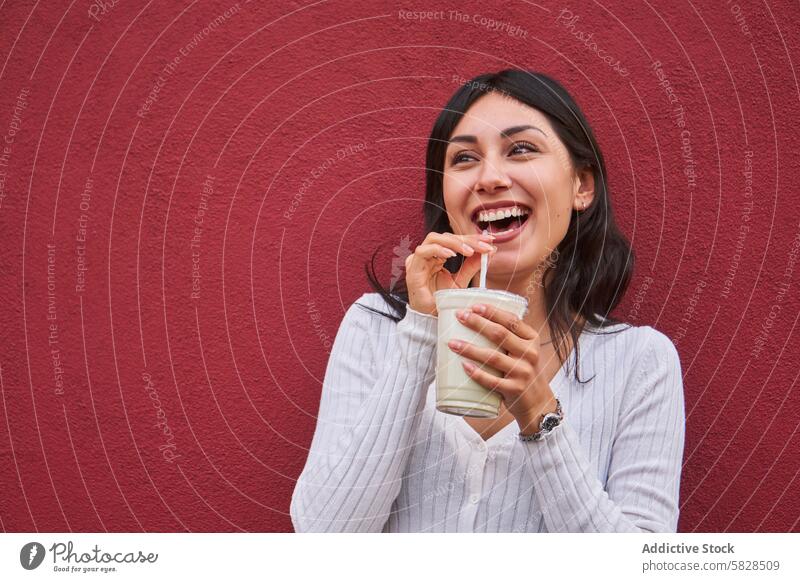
(462, 157)
(523, 147)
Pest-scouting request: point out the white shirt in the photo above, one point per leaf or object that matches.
(383, 459)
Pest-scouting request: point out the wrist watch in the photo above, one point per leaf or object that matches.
(548, 423)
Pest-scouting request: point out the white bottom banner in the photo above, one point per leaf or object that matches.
(383, 557)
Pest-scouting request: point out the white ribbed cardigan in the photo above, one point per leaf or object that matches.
(383, 459)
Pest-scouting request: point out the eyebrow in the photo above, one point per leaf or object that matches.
(505, 133)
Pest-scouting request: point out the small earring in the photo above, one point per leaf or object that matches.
(584, 204)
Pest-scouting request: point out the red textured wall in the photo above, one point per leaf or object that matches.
(271, 150)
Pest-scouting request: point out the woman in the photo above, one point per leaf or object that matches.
(510, 153)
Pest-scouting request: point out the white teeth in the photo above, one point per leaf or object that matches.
(492, 215)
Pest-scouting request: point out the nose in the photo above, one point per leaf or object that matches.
(492, 177)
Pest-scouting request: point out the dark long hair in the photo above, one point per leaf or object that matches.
(595, 261)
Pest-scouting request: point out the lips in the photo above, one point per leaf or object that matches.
(504, 229)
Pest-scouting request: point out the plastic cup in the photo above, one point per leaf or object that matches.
(456, 392)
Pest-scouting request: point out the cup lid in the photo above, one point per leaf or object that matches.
(472, 290)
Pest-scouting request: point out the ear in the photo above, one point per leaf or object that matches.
(584, 191)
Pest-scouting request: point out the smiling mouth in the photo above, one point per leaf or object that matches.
(501, 225)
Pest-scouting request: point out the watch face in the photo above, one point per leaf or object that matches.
(550, 422)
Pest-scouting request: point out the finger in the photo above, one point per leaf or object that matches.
(498, 334)
(469, 238)
(464, 244)
(434, 251)
(503, 386)
(491, 357)
(510, 321)
(469, 268)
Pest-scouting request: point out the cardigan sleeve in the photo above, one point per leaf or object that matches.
(372, 397)
(642, 489)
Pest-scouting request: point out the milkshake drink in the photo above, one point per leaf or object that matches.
(456, 392)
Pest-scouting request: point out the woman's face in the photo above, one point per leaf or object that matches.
(504, 154)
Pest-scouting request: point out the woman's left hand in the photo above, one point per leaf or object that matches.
(526, 394)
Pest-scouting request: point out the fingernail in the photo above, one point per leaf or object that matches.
(485, 246)
(455, 344)
(462, 315)
(467, 249)
(450, 252)
(487, 236)
(479, 308)
(469, 366)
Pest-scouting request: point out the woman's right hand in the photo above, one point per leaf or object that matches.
(425, 272)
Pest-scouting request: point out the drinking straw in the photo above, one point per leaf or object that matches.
(484, 265)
